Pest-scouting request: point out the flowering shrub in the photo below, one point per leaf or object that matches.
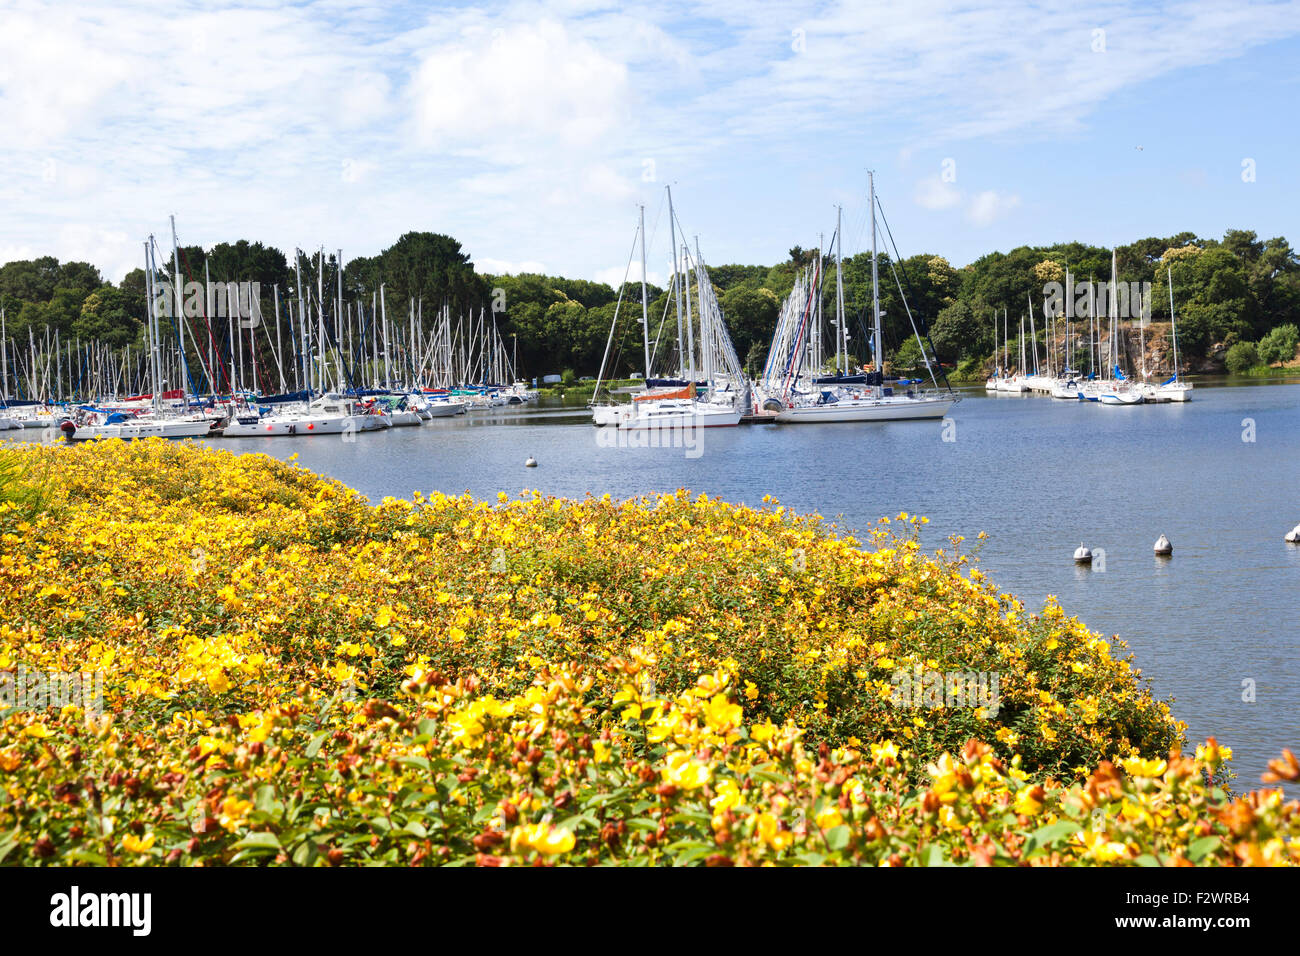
(293, 675)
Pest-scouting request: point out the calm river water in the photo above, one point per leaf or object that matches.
(1217, 475)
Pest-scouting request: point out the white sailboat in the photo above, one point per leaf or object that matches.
(1119, 391)
(329, 414)
(842, 398)
(1174, 389)
(685, 402)
(136, 421)
(1003, 381)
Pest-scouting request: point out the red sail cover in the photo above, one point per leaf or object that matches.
(174, 393)
(687, 392)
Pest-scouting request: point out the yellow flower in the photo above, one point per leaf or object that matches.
(233, 811)
(721, 714)
(728, 798)
(884, 752)
(543, 838)
(217, 680)
(685, 772)
(134, 844)
(1138, 767)
(1027, 802)
(769, 831)
(829, 818)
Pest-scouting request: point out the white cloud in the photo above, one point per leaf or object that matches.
(53, 74)
(933, 193)
(356, 170)
(603, 182)
(500, 267)
(613, 275)
(115, 253)
(988, 206)
(505, 92)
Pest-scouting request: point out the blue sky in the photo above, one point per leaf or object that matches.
(531, 131)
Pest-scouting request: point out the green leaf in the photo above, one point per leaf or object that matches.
(313, 748)
(690, 816)
(265, 799)
(261, 840)
(934, 856)
(691, 855)
(1198, 850)
(837, 838)
(1045, 836)
(86, 856)
(306, 853)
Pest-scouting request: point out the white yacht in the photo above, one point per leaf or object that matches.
(654, 413)
(799, 395)
(328, 415)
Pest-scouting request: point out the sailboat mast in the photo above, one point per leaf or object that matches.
(180, 312)
(875, 284)
(341, 375)
(1094, 346)
(841, 330)
(153, 321)
(815, 336)
(383, 321)
(1172, 323)
(690, 325)
(677, 292)
(645, 308)
(707, 336)
(1114, 316)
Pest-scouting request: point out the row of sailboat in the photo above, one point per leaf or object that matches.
(343, 369)
(1106, 382)
(807, 378)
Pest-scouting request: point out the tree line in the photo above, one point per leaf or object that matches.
(1237, 299)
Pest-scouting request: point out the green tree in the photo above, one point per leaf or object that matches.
(1279, 345)
(750, 314)
(1241, 357)
(957, 332)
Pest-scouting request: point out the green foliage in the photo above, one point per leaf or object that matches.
(1279, 345)
(957, 332)
(1241, 357)
(907, 357)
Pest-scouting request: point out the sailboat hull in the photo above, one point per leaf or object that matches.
(1121, 398)
(304, 426)
(166, 428)
(445, 409)
(676, 413)
(881, 410)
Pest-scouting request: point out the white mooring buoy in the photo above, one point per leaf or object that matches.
(1293, 535)
(531, 462)
(1083, 555)
(1163, 547)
